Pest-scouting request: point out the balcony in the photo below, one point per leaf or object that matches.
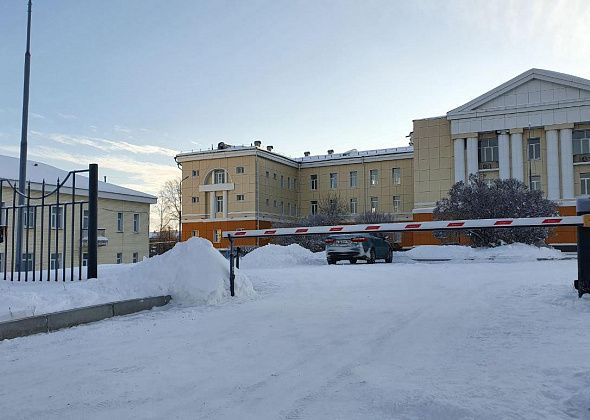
(582, 158)
(487, 166)
(101, 239)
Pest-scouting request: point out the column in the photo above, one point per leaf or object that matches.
(552, 165)
(225, 203)
(504, 154)
(516, 154)
(459, 153)
(212, 204)
(567, 163)
(472, 161)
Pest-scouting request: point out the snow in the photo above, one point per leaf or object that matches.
(481, 339)
(455, 252)
(274, 256)
(193, 273)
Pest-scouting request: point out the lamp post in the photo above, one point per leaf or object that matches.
(22, 175)
(180, 208)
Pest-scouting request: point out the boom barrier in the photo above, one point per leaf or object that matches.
(582, 221)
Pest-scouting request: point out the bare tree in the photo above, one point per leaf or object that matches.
(170, 196)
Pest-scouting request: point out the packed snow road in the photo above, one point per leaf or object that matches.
(449, 340)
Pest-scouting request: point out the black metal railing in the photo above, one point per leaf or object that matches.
(57, 223)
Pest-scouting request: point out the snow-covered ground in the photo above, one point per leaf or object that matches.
(505, 338)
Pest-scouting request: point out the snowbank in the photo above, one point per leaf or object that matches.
(193, 273)
(277, 256)
(510, 252)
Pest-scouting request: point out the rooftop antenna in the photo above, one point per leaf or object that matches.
(22, 176)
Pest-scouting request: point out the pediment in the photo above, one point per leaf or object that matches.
(534, 88)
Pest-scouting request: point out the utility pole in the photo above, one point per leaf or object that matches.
(22, 176)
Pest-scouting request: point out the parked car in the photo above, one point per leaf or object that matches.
(354, 247)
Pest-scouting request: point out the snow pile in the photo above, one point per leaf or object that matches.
(277, 256)
(509, 252)
(193, 273)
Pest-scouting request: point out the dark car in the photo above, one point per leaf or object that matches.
(354, 247)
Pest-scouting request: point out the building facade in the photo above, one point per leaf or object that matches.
(123, 219)
(535, 128)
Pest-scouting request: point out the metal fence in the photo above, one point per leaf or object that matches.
(58, 229)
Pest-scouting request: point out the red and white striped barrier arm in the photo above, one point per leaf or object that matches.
(413, 226)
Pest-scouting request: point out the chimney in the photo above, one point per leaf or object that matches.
(257, 143)
(306, 153)
(269, 148)
(330, 152)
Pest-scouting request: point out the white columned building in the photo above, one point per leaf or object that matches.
(552, 109)
(504, 154)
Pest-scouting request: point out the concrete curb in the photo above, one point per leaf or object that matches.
(72, 317)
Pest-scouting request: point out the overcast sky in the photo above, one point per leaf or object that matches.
(127, 84)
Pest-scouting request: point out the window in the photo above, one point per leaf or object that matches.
(27, 262)
(332, 203)
(239, 169)
(267, 174)
(195, 172)
(85, 216)
(267, 202)
(217, 235)
(353, 206)
(55, 261)
(196, 233)
(274, 176)
(135, 257)
(274, 203)
(397, 204)
(314, 182)
(29, 217)
(374, 204)
(85, 259)
(585, 183)
(282, 207)
(535, 183)
(314, 207)
(119, 258)
(288, 208)
(581, 142)
(535, 149)
(294, 183)
(195, 200)
(294, 210)
(120, 222)
(289, 182)
(282, 181)
(374, 177)
(396, 175)
(240, 197)
(219, 204)
(136, 222)
(219, 176)
(488, 150)
(57, 217)
(333, 181)
(353, 179)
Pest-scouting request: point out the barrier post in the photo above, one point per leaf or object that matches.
(238, 257)
(582, 284)
(232, 275)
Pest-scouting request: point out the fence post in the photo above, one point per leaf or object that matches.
(92, 221)
(232, 275)
(583, 281)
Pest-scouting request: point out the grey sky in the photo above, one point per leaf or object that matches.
(129, 83)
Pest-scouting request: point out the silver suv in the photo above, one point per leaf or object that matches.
(354, 247)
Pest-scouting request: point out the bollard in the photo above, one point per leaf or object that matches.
(582, 284)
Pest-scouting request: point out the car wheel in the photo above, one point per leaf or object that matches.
(352, 260)
(331, 261)
(371, 259)
(389, 257)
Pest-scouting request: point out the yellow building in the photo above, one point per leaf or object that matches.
(535, 128)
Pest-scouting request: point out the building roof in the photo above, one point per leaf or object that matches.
(397, 152)
(38, 172)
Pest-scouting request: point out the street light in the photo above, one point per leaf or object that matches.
(180, 208)
(22, 176)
